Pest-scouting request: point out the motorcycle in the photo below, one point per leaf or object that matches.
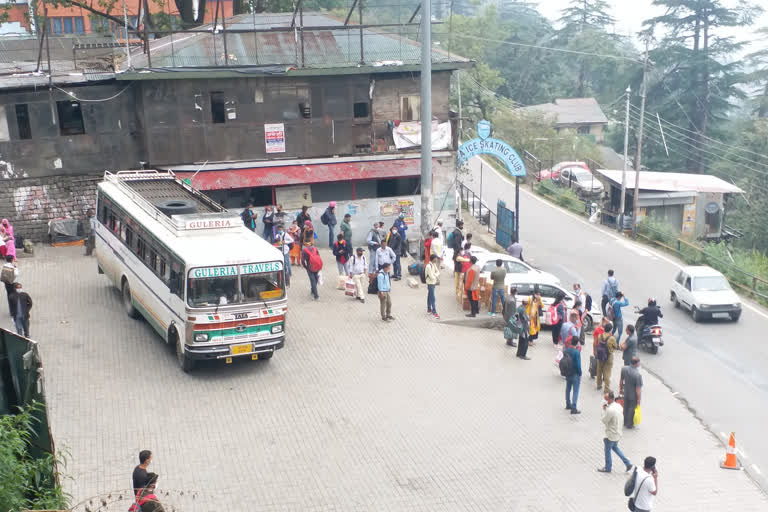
(650, 338)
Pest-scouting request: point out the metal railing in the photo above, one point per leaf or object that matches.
(476, 208)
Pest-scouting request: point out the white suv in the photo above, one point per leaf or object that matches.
(706, 292)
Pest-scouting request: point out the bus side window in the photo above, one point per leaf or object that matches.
(153, 261)
(176, 281)
(163, 270)
(128, 237)
(141, 248)
(103, 214)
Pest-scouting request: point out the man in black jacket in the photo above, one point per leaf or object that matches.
(395, 242)
(23, 305)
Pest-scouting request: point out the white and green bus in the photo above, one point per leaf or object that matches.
(208, 285)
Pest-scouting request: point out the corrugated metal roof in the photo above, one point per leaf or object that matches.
(572, 111)
(674, 181)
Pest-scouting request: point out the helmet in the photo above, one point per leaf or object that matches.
(332, 204)
(651, 301)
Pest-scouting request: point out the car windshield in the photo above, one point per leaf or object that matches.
(582, 175)
(710, 284)
(243, 284)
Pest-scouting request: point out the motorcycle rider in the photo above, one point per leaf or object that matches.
(648, 316)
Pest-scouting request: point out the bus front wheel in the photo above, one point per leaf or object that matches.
(130, 309)
(186, 364)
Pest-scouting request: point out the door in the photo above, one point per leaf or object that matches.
(686, 295)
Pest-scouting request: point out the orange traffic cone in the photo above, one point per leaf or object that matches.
(730, 455)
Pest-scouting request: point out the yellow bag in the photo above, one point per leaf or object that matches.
(638, 416)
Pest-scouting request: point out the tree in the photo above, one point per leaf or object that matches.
(759, 76)
(587, 14)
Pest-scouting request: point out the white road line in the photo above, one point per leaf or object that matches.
(741, 452)
(675, 393)
(722, 434)
(622, 239)
(756, 469)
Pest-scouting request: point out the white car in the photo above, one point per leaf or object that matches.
(705, 292)
(548, 292)
(516, 269)
(582, 181)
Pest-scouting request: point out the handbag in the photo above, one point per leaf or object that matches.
(631, 502)
(638, 417)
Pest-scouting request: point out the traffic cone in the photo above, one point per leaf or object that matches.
(731, 462)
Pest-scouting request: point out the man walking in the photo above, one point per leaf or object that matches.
(472, 287)
(357, 273)
(329, 219)
(385, 286)
(311, 260)
(395, 243)
(609, 290)
(22, 303)
(346, 229)
(606, 345)
(646, 486)
(9, 274)
(402, 227)
(432, 274)
(516, 249)
(140, 471)
(617, 303)
(285, 244)
(90, 226)
(384, 255)
(573, 381)
(629, 347)
(497, 292)
(611, 417)
(374, 241)
(631, 386)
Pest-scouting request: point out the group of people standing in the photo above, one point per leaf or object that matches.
(19, 301)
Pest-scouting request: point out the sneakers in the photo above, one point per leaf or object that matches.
(575, 411)
(568, 407)
(629, 467)
(437, 317)
(603, 470)
(491, 313)
(390, 317)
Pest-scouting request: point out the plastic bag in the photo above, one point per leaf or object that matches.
(638, 416)
(319, 279)
(558, 357)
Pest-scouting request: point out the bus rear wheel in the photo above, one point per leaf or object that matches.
(130, 309)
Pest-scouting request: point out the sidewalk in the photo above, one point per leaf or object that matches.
(355, 414)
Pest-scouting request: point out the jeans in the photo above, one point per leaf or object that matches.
(22, 326)
(572, 382)
(474, 305)
(268, 232)
(287, 267)
(371, 260)
(431, 299)
(9, 290)
(398, 271)
(313, 282)
(342, 268)
(603, 302)
(613, 446)
(494, 294)
(618, 328)
(331, 238)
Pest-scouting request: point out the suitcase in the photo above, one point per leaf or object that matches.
(592, 367)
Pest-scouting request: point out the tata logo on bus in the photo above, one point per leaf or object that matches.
(214, 272)
(209, 224)
(258, 268)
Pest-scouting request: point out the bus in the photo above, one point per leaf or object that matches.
(209, 286)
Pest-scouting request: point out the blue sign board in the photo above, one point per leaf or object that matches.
(486, 145)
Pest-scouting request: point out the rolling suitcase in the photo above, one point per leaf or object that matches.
(592, 367)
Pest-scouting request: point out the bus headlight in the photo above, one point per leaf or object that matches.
(276, 329)
(203, 336)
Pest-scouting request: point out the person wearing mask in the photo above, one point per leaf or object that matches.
(268, 219)
(436, 247)
(341, 251)
(279, 217)
(384, 255)
(374, 241)
(249, 217)
(432, 274)
(516, 249)
(346, 229)
(395, 243)
(146, 499)
(385, 287)
(295, 233)
(285, 243)
(402, 227)
(569, 330)
(308, 234)
(646, 486)
(358, 267)
(559, 308)
(617, 303)
(498, 275)
(329, 219)
(611, 417)
(381, 230)
(472, 287)
(629, 347)
(579, 293)
(440, 230)
(10, 274)
(609, 290)
(90, 226)
(631, 386)
(23, 304)
(573, 381)
(301, 220)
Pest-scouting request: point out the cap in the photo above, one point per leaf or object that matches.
(440, 221)
(359, 249)
(332, 204)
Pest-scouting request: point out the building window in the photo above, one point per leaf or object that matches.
(67, 25)
(409, 108)
(583, 130)
(218, 108)
(79, 25)
(99, 24)
(361, 110)
(4, 133)
(70, 118)
(22, 121)
(56, 25)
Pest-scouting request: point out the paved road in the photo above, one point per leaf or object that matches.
(719, 367)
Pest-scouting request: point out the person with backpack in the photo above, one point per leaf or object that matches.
(358, 272)
(569, 330)
(249, 217)
(606, 345)
(285, 243)
(572, 362)
(402, 227)
(616, 303)
(609, 290)
(374, 241)
(557, 318)
(384, 286)
(612, 417)
(146, 499)
(643, 488)
(431, 276)
(342, 252)
(9, 274)
(472, 287)
(311, 260)
(328, 218)
(395, 243)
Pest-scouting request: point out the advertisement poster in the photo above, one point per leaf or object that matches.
(274, 137)
(393, 209)
(689, 217)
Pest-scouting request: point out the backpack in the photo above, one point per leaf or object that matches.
(315, 261)
(7, 275)
(373, 283)
(324, 218)
(566, 365)
(552, 310)
(609, 313)
(602, 353)
(629, 485)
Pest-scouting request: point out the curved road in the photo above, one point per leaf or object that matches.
(719, 367)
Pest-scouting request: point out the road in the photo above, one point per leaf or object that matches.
(718, 367)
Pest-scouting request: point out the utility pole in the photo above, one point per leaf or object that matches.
(426, 116)
(461, 122)
(639, 156)
(626, 164)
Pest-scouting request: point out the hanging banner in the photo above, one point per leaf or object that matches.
(408, 135)
(487, 145)
(274, 137)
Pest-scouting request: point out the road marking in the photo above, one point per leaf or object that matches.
(622, 239)
(722, 434)
(741, 452)
(675, 393)
(757, 469)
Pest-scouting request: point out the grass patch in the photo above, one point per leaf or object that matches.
(563, 197)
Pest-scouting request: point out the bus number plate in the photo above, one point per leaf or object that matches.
(242, 349)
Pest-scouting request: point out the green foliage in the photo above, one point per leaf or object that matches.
(26, 482)
(563, 197)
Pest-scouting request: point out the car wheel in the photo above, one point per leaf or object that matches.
(735, 316)
(588, 323)
(673, 298)
(696, 314)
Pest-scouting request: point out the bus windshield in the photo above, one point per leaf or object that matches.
(243, 284)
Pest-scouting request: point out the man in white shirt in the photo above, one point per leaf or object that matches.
(646, 486)
(612, 416)
(436, 247)
(384, 255)
(357, 273)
